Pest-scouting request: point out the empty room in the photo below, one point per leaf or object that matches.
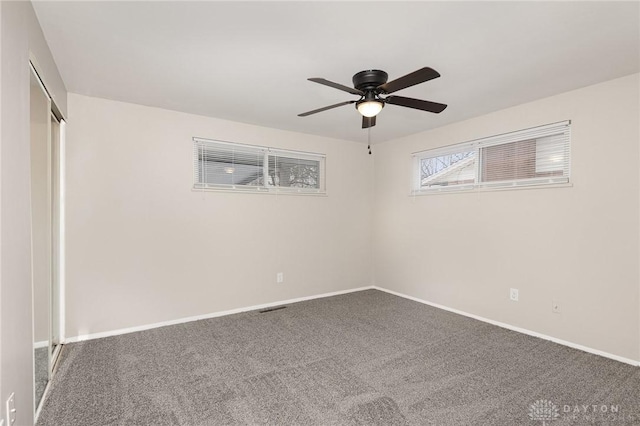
(319, 213)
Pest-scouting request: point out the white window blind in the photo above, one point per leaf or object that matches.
(536, 156)
(236, 167)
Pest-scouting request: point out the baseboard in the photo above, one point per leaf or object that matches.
(514, 328)
(118, 332)
(41, 344)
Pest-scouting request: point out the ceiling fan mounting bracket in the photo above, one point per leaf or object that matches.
(369, 79)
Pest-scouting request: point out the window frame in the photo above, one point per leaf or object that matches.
(266, 153)
(562, 128)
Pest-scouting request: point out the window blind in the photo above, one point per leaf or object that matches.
(536, 156)
(237, 167)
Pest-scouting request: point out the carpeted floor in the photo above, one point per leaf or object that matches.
(41, 361)
(366, 358)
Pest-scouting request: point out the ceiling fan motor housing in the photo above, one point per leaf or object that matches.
(369, 79)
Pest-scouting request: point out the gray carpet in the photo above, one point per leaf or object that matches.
(366, 358)
(41, 362)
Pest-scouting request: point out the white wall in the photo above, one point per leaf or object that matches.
(43, 61)
(143, 248)
(578, 244)
(19, 35)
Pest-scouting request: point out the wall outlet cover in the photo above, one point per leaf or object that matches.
(513, 294)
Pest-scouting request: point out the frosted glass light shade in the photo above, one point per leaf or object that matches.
(370, 108)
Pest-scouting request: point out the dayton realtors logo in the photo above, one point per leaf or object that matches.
(544, 411)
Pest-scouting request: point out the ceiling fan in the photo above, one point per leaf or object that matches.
(370, 85)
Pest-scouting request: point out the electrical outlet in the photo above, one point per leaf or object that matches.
(555, 307)
(280, 277)
(11, 409)
(513, 294)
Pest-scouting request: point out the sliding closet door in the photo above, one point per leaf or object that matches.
(41, 228)
(55, 235)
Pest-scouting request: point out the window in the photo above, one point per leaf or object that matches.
(536, 156)
(237, 167)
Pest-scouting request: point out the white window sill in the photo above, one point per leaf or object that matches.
(451, 190)
(261, 191)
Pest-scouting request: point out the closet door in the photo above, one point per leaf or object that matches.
(41, 232)
(56, 199)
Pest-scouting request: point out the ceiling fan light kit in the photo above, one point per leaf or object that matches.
(369, 108)
(371, 84)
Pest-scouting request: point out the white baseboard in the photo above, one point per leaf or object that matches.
(118, 332)
(518, 329)
(41, 344)
(91, 336)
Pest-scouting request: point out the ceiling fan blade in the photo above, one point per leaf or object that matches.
(416, 77)
(304, 114)
(337, 86)
(416, 104)
(368, 122)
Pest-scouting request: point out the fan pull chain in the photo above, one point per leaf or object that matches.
(369, 140)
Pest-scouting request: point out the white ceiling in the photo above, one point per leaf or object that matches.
(249, 61)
